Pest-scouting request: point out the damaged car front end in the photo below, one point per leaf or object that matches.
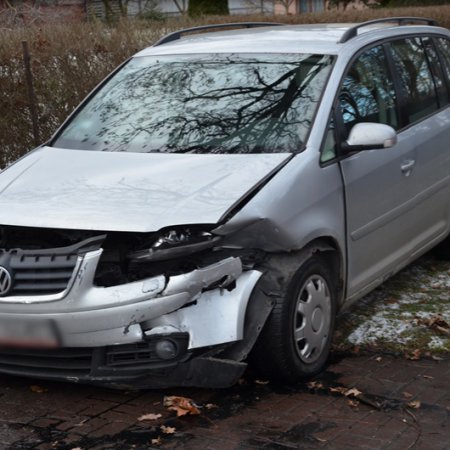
(163, 325)
(140, 246)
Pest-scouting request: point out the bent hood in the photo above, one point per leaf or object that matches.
(106, 191)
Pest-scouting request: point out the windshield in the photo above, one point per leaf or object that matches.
(203, 104)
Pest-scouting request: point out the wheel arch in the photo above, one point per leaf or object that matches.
(283, 265)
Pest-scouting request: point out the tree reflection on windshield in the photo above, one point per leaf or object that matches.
(203, 104)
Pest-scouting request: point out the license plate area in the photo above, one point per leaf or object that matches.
(30, 333)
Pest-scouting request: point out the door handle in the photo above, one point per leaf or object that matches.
(407, 166)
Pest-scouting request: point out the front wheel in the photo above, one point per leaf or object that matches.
(296, 338)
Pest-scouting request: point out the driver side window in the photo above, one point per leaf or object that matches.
(367, 93)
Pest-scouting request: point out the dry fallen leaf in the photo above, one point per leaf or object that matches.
(211, 406)
(415, 355)
(352, 392)
(356, 349)
(150, 416)
(315, 385)
(338, 390)
(407, 394)
(168, 430)
(181, 405)
(263, 382)
(157, 441)
(435, 323)
(77, 448)
(353, 403)
(428, 377)
(414, 405)
(379, 359)
(38, 389)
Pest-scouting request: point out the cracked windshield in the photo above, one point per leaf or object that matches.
(203, 104)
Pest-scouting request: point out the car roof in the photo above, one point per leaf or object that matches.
(314, 38)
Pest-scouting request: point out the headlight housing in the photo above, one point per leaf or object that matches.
(176, 242)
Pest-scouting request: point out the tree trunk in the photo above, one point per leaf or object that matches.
(123, 8)
(202, 7)
(181, 6)
(109, 14)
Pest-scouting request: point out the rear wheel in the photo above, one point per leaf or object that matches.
(296, 338)
(443, 249)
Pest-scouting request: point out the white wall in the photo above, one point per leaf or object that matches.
(236, 6)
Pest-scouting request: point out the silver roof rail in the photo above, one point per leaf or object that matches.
(353, 31)
(177, 34)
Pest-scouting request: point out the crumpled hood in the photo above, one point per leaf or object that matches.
(90, 190)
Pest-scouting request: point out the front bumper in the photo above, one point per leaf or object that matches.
(90, 320)
(93, 366)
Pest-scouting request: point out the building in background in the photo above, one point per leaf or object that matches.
(299, 6)
(69, 10)
(178, 7)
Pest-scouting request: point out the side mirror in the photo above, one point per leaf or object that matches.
(370, 136)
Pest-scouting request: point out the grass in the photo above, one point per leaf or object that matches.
(396, 316)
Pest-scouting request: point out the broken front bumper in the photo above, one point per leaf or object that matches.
(92, 323)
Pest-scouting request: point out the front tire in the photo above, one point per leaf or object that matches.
(295, 341)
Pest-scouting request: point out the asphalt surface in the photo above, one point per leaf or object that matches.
(365, 402)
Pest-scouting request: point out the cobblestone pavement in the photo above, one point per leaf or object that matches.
(397, 404)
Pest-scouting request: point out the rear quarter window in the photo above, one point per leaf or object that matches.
(437, 70)
(416, 78)
(443, 46)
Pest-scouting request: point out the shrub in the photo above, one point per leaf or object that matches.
(203, 7)
(69, 60)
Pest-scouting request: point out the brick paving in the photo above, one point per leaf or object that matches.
(46, 415)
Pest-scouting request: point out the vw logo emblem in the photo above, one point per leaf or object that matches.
(5, 281)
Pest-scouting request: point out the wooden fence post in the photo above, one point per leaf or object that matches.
(31, 94)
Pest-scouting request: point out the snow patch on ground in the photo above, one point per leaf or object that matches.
(393, 314)
(436, 343)
(379, 328)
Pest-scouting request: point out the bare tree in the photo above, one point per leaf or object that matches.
(182, 6)
(286, 4)
(260, 5)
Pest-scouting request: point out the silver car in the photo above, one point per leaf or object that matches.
(220, 197)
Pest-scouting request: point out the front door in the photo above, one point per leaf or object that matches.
(379, 184)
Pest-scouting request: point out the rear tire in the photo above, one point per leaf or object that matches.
(442, 250)
(295, 341)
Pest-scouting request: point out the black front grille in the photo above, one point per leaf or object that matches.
(67, 362)
(36, 274)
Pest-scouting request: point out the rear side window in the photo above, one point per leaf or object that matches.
(444, 50)
(367, 93)
(416, 78)
(436, 69)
